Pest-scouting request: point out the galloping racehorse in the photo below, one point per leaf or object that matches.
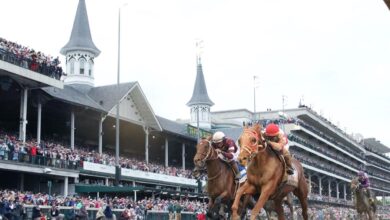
(362, 204)
(265, 175)
(221, 185)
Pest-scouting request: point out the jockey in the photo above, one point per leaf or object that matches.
(226, 148)
(278, 141)
(364, 183)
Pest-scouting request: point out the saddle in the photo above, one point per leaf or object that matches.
(281, 158)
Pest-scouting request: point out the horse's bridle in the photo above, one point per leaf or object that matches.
(254, 148)
(207, 155)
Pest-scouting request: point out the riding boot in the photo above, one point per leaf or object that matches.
(287, 159)
(235, 169)
(371, 200)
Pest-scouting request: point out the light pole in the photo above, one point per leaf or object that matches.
(254, 97)
(117, 130)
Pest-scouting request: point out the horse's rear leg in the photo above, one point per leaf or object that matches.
(302, 196)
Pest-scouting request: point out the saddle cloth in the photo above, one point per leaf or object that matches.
(292, 180)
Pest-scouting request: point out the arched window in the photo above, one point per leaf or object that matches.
(90, 71)
(71, 61)
(82, 66)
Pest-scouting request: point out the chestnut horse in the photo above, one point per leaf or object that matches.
(265, 175)
(221, 185)
(362, 204)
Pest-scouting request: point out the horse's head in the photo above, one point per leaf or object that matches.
(354, 184)
(250, 142)
(204, 152)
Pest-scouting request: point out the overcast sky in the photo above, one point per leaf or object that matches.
(335, 55)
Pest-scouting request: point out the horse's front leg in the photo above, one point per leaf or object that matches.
(264, 195)
(246, 188)
(210, 207)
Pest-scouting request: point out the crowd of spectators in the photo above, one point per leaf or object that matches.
(14, 203)
(57, 155)
(331, 139)
(318, 162)
(324, 150)
(28, 58)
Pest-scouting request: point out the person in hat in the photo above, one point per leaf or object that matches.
(226, 149)
(54, 212)
(364, 183)
(276, 138)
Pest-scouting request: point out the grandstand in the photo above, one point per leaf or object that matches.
(60, 140)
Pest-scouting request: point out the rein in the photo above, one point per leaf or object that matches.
(208, 154)
(259, 144)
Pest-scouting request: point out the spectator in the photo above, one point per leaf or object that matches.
(100, 214)
(36, 213)
(54, 213)
(108, 212)
(82, 214)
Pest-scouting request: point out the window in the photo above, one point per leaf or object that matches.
(71, 66)
(82, 66)
(90, 68)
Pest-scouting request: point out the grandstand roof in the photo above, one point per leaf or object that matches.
(72, 95)
(80, 38)
(108, 96)
(174, 127)
(105, 98)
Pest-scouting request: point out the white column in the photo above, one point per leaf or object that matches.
(39, 120)
(183, 155)
(166, 152)
(320, 185)
(329, 189)
(21, 116)
(337, 190)
(146, 145)
(106, 181)
(24, 114)
(66, 183)
(72, 128)
(101, 135)
(345, 191)
(135, 192)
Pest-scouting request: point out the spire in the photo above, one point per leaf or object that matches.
(200, 96)
(81, 39)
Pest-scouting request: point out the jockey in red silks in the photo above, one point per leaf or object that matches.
(278, 141)
(226, 149)
(364, 183)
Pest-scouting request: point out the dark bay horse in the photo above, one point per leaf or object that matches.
(362, 204)
(265, 175)
(221, 186)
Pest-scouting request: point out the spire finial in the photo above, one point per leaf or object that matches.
(199, 50)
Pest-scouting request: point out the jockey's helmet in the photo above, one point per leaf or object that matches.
(361, 173)
(218, 137)
(271, 130)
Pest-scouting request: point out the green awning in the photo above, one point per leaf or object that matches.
(84, 188)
